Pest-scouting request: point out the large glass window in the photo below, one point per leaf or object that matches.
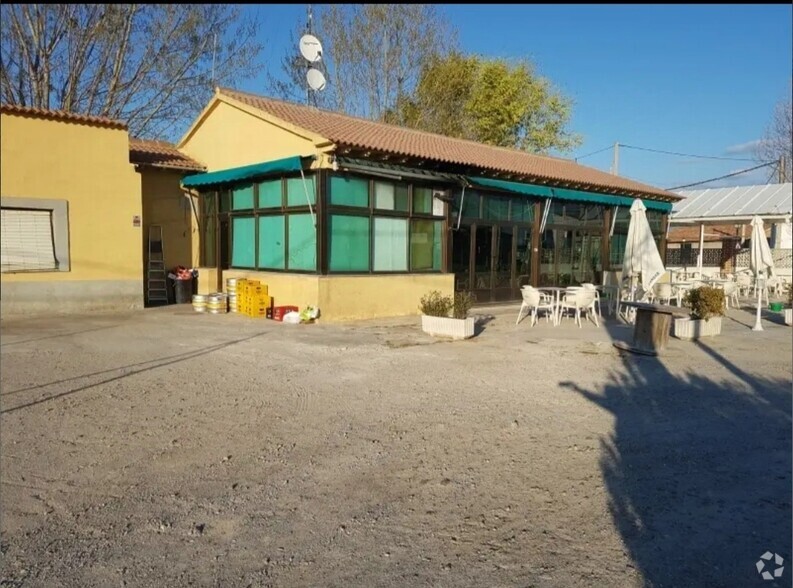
(390, 245)
(387, 237)
(496, 208)
(302, 242)
(656, 220)
(243, 231)
(469, 202)
(390, 196)
(270, 194)
(349, 191)
(300, 193)
(349, 243)
(583, 214)
(524, 256)
(425, 245)
(272, 242)
(422, 200)
(522, 210)
(619, 236)
(242, 197)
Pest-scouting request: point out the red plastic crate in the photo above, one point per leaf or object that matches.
(280, 311)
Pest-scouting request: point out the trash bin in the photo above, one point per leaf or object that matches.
(183, 290)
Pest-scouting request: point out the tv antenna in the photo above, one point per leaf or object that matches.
(311, 50)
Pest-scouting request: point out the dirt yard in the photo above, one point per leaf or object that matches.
(167, 448)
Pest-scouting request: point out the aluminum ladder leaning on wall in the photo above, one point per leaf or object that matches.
(156, 282)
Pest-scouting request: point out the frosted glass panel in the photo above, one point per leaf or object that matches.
(271, 242)
(390, 245)
(243, 242)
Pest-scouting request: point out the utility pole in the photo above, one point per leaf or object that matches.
(781, 171)
(615, 166)
(309, 30)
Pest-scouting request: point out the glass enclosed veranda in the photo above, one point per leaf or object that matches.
(494, 236)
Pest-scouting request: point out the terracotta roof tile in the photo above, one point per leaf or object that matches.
(345, 130)
(161, 154)
(62, 115)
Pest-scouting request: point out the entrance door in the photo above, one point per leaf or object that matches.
(503, 263)
(461, 259)
(486, 260)
(483, 248)
(570, 257)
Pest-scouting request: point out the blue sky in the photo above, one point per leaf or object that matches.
(686, 78)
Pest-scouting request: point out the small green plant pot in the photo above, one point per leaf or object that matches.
(776, 306)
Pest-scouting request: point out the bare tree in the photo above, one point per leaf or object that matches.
(373, 54)
(150, 65)
(777, 144)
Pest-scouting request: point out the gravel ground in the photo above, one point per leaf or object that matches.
(167, 448)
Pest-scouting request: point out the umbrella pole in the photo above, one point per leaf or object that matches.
(757, 325)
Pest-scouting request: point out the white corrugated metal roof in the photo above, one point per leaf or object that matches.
(739, 202)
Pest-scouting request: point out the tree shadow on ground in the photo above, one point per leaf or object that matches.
(698, 470)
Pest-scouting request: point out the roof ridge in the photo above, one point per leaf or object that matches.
(63, 115)
(439, 147)
(510, 150)
(160, 142)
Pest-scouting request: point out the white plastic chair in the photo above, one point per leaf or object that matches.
(773, 284)
(535, 301)
(581, 300)
(744, 283)
(731, 294)
(596, 303)
(663, 293)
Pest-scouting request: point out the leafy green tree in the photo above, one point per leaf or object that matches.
(442, 92)
(490, 101)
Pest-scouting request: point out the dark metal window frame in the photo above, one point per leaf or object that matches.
(371, 212)
(256, 212)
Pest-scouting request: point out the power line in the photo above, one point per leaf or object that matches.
(738, 173)
(686, 154)
(594, 152)
(773, 171)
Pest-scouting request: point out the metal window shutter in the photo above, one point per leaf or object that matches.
(26, 241)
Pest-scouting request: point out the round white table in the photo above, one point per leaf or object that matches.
(555, 290)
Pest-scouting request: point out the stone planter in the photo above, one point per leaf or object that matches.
(439, 326)
(789, 316)
(686, 328)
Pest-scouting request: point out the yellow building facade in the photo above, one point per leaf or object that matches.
(69, 174)
(230, 134)
(362, 218)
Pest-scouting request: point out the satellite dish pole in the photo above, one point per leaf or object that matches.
(311, 50)
(309, 31)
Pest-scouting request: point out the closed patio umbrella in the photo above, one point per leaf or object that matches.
(641, 254)
(760, 261)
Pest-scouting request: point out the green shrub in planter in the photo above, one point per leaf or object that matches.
(463, 301)
(706, 302)
(436, 304)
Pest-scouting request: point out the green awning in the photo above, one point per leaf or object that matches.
(565, 194)
(246, 172)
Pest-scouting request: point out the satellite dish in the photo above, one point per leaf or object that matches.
(316, 81)
(310, 48)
